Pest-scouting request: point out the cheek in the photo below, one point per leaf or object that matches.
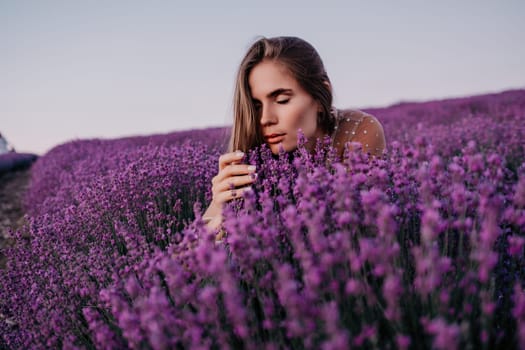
(308, 121)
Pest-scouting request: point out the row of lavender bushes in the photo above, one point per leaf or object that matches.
(422, 248)
(82, 195)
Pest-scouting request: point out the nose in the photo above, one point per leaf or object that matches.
(268, 116)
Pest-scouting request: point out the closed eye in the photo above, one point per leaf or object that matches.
(283, 101)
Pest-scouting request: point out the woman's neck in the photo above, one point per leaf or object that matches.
(320, 134)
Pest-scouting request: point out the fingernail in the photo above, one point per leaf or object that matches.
(248, 189)
(239, 154)
(251, 168)
(253, 175)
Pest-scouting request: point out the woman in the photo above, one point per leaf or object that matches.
(282, 87)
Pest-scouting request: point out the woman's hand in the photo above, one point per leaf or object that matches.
(232, 181)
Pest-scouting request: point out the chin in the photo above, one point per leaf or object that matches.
(277, 146)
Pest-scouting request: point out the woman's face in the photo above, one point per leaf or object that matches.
(283, 106)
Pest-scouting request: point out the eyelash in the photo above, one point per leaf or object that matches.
(257, 105)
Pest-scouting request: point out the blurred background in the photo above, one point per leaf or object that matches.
(106, 69)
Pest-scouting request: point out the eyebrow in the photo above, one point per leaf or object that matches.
(277, 92)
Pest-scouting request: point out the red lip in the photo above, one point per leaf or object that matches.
(274, 138)
(274, 135)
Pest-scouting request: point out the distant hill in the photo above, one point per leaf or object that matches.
(13, 161)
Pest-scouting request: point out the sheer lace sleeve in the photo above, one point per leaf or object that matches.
(356, 126)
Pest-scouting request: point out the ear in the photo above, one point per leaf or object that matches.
(328, 85)
(319, 108)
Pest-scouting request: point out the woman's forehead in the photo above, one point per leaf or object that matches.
(268, 76)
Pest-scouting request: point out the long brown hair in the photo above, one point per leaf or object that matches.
(305, 65)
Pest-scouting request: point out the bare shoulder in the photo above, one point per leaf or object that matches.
(370, 122)
(350, 113)
(358, 126)
(353, 114)
(351, 121)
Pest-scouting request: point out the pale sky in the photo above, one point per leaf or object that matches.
(83, 69)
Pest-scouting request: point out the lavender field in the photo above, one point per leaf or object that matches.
(420, 249)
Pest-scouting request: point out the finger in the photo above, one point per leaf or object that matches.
(235, 182)
(233, 194)
(227, 158)
(219, 236)
(234, 170)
